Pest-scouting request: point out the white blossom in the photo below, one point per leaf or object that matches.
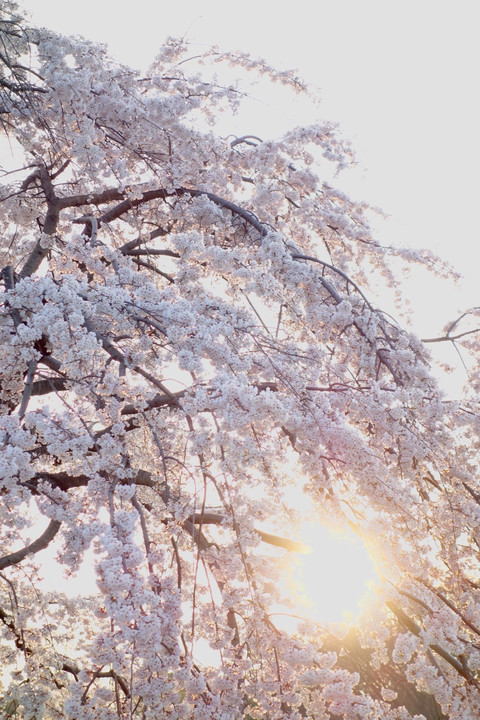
(189, 346)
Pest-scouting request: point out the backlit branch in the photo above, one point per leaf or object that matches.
(414, 628)
(39, 544)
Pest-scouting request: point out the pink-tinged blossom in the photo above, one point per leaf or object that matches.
(189, 345)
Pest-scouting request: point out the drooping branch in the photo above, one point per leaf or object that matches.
(414, 628)
(64, 481)
(451, 605)
(39, 544)
(214, 518)
(9, 622)
(119, 357)
(338, 272)
(18, 86)
(68, 667)
(128, 204)
(56, 203)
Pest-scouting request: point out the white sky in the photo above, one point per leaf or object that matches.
(400, 78)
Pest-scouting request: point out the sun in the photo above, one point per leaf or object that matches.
(334, 581)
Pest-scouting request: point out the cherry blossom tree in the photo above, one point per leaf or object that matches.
(188, 345)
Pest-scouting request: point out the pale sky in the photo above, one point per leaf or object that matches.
(400, 78)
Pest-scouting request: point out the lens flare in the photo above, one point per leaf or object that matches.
(334, 580)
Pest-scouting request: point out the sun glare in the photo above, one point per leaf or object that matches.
(334, 581)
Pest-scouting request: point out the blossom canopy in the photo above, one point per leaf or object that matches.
(188, 344)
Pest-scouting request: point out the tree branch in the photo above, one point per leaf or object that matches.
(49, 385)
(9, 622)
(158, 194)
(450, 338)
(27, 392)
(338, 272)
(64, 481)
(411, 625)
(9, 280)
(213, 518)
(39, 544)
(54, 206)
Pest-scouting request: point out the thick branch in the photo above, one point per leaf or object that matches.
(54, 206)
(412, 626)
(9, 280)
(27, 392)
(64, 481)
(49, 385)
(39, 544)
(156, 402)
(150, 251)
(338, 272)
(282, 542)
(158, 194)
(213, 518)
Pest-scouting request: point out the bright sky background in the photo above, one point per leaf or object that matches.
(400, 78)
